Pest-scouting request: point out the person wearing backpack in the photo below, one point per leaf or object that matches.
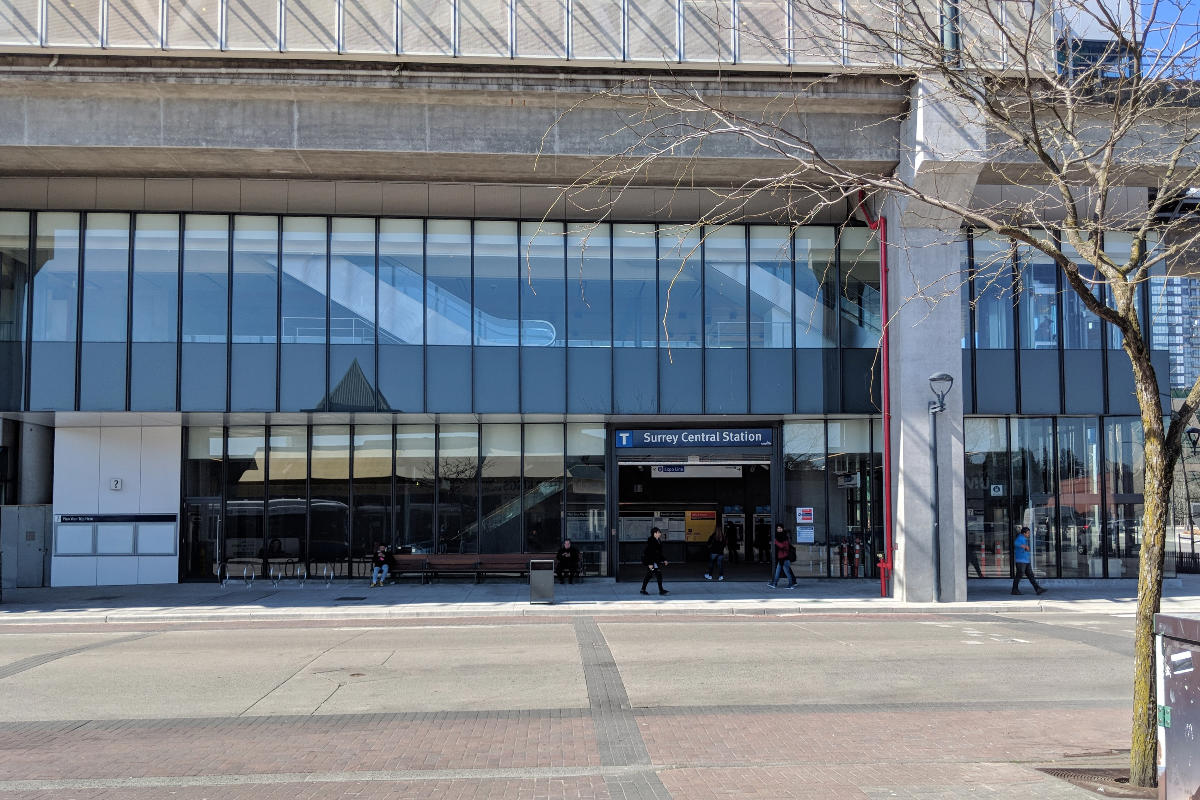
(784, 553)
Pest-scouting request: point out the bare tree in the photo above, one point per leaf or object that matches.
(1085, 112)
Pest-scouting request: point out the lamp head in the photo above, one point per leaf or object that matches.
(1193, 435)
(940, 384)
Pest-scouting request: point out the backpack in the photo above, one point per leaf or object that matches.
(791, 552)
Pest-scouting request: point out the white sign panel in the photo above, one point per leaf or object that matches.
(696, 471)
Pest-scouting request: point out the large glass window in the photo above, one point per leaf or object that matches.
(585, 494)
(850, 519)
(303, 315)
(1081, 327)
(725, 279)
(448, 271)
(500, 528)
(496, 264)
(588, 285)
(352, 315)
(1079, 498)
(372, 515)
(679, 294)
(55, 298)
(816, 288)
(415, 481)
(287, 507)
(329, 502)
(200, 526)
(770, 286)
(634, 302)
(805, 517)
(1037, 298)
(155, 311)
(105, 293)
(543, 284)
(1118, 247)
(862, 321)
(458, 476)
(401, 281)
(543, 487)
(14, 284)
(205, 312)
(245, 490)
(1125, 480)
(987, 490)
(255, 279)
(1034, 485)
(992, 286)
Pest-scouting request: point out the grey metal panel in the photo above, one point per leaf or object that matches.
(1185, 627)
(19, 22)
(369, 26)
(1083, 389)
(968, 382)
(652, 34)
(12, 375)
(73, 22)
(762, 31)
(427, 27)
(447, 379)
(861, 392)
(542, 28)
(483, 27)
(102, 377)
(496, 391)
(589, 380)
(707, 30)
(680, 373)
(133, 23)
(596, 29)
(771, 371)
(252, 377)
(543, 380)
(817, 385)
(1040, 392)
(202, 377)
(152, 375)
(251, 25)
(311, 25)
(1121, 399)
(402, 378)
(52, 376)
(635, 380)
(996, 381)
(726, 374)
(192, 24)
(301, 377)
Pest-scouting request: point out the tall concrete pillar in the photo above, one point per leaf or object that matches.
(35, 482)
(926, 338)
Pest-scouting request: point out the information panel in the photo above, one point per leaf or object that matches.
(695, 437)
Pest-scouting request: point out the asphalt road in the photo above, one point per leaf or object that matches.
(853, 706)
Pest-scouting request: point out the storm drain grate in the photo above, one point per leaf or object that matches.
(340, 599)
(1106, 782)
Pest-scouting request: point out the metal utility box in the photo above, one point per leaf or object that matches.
(1178, 644)
(541, 581)
(24, 546)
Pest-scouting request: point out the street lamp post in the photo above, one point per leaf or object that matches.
(1193, 435)
(940, 384)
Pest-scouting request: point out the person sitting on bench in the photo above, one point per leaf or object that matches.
(566, 563)
(379, 566)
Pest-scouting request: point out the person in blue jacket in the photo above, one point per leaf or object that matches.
(1021, 554)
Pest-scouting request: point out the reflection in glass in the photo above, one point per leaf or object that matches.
(245, 487)
(804, 488)
(725, 278)
(1118, 246)
(1033, 494)
(679, 294)
(1079, 498)
(543, 284)
(371, 519)
(56, 274)
(1081, 327)
(585, 493)
(1037, 300)
(401, 293)
(287, 508)
(495, 246)
(860, 298)
(255, 277)
(14, 284)
(303, 315)
(850, 520)
(770, 286)
(1125, 484)
(352, 315)
(458, 476)
(155, 312)
(543, 487)
(448, 272)
(414, 488)
(816, 288)
(329, 503)
(202, 490)
(205, 312)
(993, 291)
(500, 491)
(635, 304)
(588, 286)
(105, 277)
(986, 488)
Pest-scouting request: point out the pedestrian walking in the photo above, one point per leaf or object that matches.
(973, 557)
(1021, 553)
(716, 556)
(784, 553)
(653, 561)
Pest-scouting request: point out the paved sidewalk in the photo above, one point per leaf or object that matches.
(595, 596)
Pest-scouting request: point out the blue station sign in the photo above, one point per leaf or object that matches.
(695, 437)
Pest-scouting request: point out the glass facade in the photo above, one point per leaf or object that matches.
(240, 313)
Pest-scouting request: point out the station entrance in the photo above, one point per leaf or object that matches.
(690, 501)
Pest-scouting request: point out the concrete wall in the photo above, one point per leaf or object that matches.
(123, 537)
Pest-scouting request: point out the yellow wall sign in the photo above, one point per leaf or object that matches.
(700, 525)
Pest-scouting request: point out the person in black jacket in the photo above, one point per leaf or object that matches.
(566, 563)
(716, 556)
(653, 561)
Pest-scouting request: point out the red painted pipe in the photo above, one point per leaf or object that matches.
(879, 224)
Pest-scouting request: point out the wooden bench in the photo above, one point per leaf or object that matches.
(452, 564)
(408, 564)
(509, 563)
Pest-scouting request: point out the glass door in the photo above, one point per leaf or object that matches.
(200, 539)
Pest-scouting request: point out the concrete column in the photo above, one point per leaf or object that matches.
(35, 480)
(926, 338)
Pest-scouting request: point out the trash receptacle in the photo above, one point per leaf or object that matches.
(541, 581)
(1178, 660)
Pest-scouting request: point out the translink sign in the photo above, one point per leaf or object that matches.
(708, 437)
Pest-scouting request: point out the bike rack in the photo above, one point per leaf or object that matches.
(276, 575)
(327, 575)
(223, 575)
(301, 576)
(248, 576)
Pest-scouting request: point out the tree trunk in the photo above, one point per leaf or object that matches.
(1143, 760)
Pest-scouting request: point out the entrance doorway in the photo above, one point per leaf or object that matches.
(690, 502)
